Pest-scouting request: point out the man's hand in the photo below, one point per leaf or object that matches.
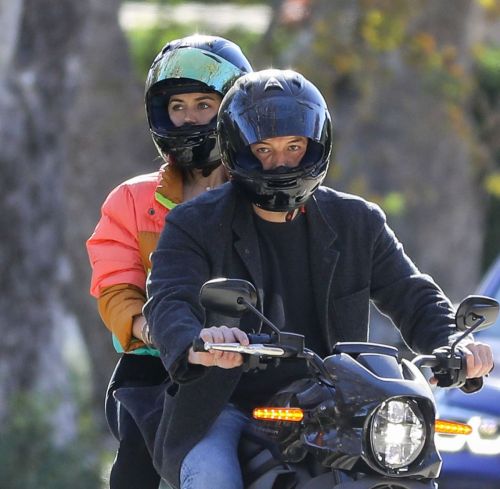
(222, 359)
(479, 359)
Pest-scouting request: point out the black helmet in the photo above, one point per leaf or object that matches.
(268, 104)
(192, 64)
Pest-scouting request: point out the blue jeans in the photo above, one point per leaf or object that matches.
(213, 463)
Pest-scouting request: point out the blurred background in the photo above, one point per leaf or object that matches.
(414, 88)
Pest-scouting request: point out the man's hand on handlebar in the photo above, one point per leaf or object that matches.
(479, 360)
(212, 358)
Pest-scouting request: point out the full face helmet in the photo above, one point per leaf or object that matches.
(192, 64)
(269, 104)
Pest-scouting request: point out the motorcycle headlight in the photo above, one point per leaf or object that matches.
(397, 433)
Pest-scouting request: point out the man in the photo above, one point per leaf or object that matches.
(316, 256)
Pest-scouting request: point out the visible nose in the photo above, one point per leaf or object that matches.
(279, 159)
(190, 116)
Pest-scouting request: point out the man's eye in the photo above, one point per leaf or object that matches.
(204, 106)
(176, 107)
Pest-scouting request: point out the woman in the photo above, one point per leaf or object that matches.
(184, 88)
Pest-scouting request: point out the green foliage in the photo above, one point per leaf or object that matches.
(30, 459)
(146, 43)
(488, 70)
(394, 203)
(381, 31)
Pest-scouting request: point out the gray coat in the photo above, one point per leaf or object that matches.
(354, 256)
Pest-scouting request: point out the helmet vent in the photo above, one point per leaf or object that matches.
(297, 81)
(273, 84)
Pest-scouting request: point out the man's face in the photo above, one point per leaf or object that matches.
(193, 108)
(280, 151)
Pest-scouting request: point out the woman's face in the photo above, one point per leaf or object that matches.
(280, 151)
(193, 108)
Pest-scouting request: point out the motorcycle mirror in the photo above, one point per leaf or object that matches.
(474, 308)
(228, 296)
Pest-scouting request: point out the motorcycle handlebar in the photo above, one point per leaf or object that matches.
(259, 345)
(448, 366)
(425, 361)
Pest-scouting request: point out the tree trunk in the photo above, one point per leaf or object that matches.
(39, 40)
(110, 142)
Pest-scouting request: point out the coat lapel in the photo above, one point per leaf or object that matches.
(323, 256)
(323, 259)
(246, 244)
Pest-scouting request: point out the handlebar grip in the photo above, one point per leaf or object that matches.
(253, 338)
(451, 368)
(199, 345)
(259, 338)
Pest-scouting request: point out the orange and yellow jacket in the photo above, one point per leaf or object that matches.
(132, 217)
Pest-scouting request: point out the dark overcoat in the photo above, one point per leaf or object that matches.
(354, 257)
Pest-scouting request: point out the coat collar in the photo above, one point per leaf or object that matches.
(322, 253)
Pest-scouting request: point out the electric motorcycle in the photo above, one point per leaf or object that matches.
(364, 419)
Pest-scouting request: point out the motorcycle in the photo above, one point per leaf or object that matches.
(365, 419)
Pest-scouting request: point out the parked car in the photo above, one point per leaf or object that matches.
(473, 461)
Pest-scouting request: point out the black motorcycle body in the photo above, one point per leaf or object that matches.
(368, 417)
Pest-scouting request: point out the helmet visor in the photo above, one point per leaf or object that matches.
(212, 70)
(278, 117)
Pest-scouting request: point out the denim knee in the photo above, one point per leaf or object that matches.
(213, 462)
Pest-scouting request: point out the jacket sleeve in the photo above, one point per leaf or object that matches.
(118, 274)
(118, 305)
(179, 268)
(415, 303)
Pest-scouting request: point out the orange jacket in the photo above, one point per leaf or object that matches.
(119, 249)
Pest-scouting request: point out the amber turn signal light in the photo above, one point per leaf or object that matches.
(295, 415)
(452, 427)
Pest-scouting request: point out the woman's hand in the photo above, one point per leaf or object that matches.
(222, 359)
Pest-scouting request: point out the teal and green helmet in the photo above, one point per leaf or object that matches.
(195, 63)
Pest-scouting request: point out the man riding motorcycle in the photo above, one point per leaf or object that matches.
(316, 256)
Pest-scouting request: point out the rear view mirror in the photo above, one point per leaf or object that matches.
(228, 296)
(474, 308)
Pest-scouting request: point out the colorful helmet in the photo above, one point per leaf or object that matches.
(268, 104)
(191, 64)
